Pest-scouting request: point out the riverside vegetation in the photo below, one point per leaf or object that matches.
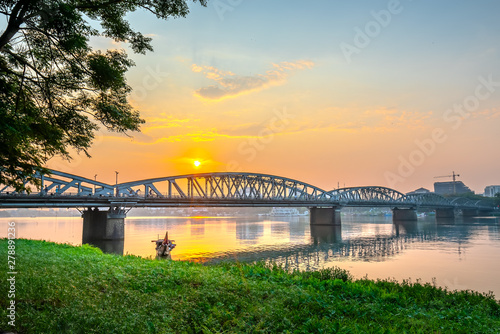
(68, 289)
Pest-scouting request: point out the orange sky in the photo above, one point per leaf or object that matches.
(281, 96)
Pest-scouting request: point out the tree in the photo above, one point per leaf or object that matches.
(55, 90)
(497, 199)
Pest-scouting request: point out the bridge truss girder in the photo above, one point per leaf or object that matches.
(220, 186)
(365, 196)
(60, 183)
(221, 189)
(430, 200)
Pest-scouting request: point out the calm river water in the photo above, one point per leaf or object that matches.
(459, 254)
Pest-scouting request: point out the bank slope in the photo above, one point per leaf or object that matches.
(66, 289)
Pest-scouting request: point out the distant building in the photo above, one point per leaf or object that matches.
(490, 191)
(419, 191)
(449, 188)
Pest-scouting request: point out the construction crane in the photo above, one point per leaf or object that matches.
(454, 176)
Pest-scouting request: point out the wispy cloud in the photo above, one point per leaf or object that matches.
(232, 85)
(157, 127)
(488, 114)
(388, 119)
(167, 122)
(164, 128)
(202, 135)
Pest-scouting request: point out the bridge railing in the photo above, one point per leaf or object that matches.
(165, 196)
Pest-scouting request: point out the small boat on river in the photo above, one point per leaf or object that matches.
(164, 247)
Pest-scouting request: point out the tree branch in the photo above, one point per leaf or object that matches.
(24, 62)
(16, 18)
(99, 6)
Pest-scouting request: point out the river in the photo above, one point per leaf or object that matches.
(459, 254)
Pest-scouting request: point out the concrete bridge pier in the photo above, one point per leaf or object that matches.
(104, 225)
(408, 214)
(445, 213)
(406, 227)
(469, 212)
(324, 216)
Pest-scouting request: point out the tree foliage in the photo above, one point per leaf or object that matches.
(55, 90)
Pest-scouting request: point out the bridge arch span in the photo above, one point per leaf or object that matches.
(468, 203)
(368, 195)
(62, 183)
(430, 200)
(225, 185)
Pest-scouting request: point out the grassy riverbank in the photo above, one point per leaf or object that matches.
(65, 289)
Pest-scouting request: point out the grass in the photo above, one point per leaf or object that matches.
(66, 289)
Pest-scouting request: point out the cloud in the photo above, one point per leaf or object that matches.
(156, 128)
(202, 135)
(167, 122)
(392, 120)
(488, 114)
(231, 85)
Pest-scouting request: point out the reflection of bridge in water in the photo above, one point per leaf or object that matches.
(327, 245)
(313, 247)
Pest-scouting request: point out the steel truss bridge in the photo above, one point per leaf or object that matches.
(59, 189)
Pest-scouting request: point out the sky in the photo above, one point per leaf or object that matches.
(331, 93)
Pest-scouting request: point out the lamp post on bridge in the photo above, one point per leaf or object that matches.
(116, 184)
(95, 179)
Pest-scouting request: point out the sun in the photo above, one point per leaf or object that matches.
(197, 163)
